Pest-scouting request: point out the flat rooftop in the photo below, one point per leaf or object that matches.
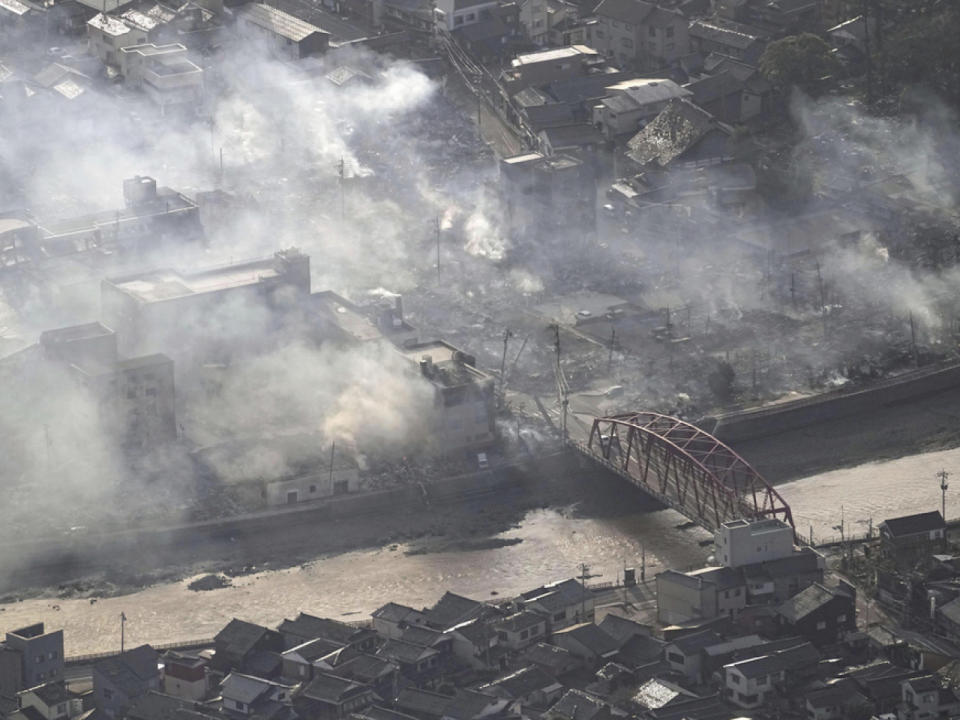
(76, 332)
(168, 284)
(167, 202)
(551, 55)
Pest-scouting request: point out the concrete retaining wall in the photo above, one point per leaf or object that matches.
(770, 420)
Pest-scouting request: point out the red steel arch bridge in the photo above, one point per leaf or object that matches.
(683, 467)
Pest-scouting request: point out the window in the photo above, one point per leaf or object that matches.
(559, 616)
(53, 655)
(39, 659)
(762, 680)
(626, 42)
(670, 32)
(471, 17)
(841, 618)
(822, 625)
(614, 23)
(61, 708)
(313, 488)
(735, 679)
(239, 705)
(458, 20)
(150, 392)
(524, 635)
(675, 658)
(40, 676)
(599, 33)
(107, 694)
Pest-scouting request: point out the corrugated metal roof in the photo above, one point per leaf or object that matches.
(279, 22)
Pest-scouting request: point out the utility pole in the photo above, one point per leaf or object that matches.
(643, 563)
(823, 300)
(123, 622)
(913, 342)
(333, 449)
(507, 334)
(793, 290)
(341, 171)
(437, 224)
(942, 476)
(584, 570)
(613, 340)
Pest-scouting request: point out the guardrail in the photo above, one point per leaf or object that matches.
(178, 645)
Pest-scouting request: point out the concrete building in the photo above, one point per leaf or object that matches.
(745, 542)
(342, 477)
(547, 66)
(30, 656)
(548, 199)
(136, 396)
(107, 35)
(207, 313)
(286, 35)
(163, 73)
(463, 397)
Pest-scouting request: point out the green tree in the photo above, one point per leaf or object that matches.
(797, 60)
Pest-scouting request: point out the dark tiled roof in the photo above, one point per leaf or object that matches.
(422, 703)
(467, 705)
(520, 621)
(451, 610)
(695, 642)
(330, 688)
(405, 652)
(914, 524)
(622, 629)
(132, 671)
(522, 683)
(628, 11)
(393, 612)
(555, 659)
(310, 627)
(240, 637)
(577, 705)
(708, 708)
(375, 712)
(52, 693)
(591, 637)
(805, 602)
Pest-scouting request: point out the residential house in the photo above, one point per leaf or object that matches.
(730, 587)
(564, 603)
(476, 645)
(925, 698)
(30, 656)
(587, 641)
(683, 134)
(582, 139)
(451, 610)
(381, 675)
(948, 618)
(428, 637)
(531, 686)
(286, 35)
(453, 14)
(623, 629)
(912, 535)
(725, 97)
(308, 627)
(750, 76)
(238, 644)
(545, 66)
(251, 696)
(785, 17)
(419, 665)
(391, 620)
(710, 707)
(736, 40)
(578, 705)
(496, 37)
(683, 654)
(375, 712)
(473, 705)
(880, 682)
(632, 103)
(184, 675)
(836, 701)
(329, 697)
(521, 629)
(52, 701)
(159, 706)
(819, 614)
(299, 663)
(422, 704)
(554, 660)
(638, 33)
(751, 683)
(682, 598)
(535, 19)
(119, 680)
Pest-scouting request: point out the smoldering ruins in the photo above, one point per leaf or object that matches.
(239, 272)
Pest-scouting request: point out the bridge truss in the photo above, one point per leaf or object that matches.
(684, 467)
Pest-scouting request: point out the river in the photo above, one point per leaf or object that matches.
(554, 542)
